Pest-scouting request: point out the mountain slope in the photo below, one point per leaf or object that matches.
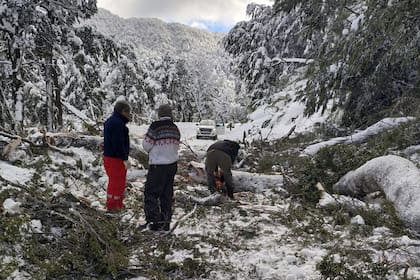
(184, 66)
(153, 37)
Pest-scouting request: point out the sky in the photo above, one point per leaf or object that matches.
(214, 15)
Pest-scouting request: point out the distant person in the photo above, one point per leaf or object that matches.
(221, 156)
(116, 151)
(162, 143)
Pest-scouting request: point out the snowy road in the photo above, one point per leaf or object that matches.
(188, 135)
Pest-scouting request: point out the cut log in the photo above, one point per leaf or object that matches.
(243, 181)
(397, 177)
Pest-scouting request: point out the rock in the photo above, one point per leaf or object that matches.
(11, 207)
(358, 220)
(36, 226)
(397, 177)
(327, 200)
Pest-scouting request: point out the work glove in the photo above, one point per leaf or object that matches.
(127, 164)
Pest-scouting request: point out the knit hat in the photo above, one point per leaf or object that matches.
(122, 106)
(165, 111)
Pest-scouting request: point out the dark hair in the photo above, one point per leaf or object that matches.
(122, 106)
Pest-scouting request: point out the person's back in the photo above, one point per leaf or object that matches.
(221, 155)
(162, 143)
(116, 139)
(229, 147)
(116, 152)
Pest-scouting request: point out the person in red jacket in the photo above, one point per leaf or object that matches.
(116, 151)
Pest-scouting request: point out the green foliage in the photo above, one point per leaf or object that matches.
(79, 250)
(331, 269)
(355, 264)
(377, 65)
(365, 53)
(332, 163)
(193, 268)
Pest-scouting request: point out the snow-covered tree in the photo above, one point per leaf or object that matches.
(54, 30)
(362, 55)
(35, 36)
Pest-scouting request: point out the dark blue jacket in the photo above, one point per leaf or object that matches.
(117, 141)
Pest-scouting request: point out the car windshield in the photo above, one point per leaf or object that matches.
(208, 123)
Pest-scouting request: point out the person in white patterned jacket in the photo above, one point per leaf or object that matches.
(162, 143)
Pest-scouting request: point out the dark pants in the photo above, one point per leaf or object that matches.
(216, 160)
(158, 193)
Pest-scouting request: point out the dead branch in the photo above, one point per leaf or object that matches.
(212, 200)
(90, 228)
(64, 216)
(182, 219)
(291, 131)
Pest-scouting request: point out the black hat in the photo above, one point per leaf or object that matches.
(165, 111)
(122, 106)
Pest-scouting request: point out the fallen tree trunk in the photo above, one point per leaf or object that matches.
(45, 144)
(91, 143)
(359, 137)
(397, 177)
(243, 181)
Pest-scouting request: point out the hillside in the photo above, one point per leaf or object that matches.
(153, 38)
(183, 65)
(358, 59)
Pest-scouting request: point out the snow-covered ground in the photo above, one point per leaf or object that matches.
(261, 236)
(15, 174)
(273, 121)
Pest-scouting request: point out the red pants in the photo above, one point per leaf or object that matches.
(115, 169)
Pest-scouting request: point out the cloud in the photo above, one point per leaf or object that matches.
(200, 25)
(199, 12)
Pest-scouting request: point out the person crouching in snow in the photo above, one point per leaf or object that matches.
(162, 143)
(220, 156)
(116, 151)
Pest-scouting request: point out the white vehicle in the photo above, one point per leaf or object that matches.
(207, 129)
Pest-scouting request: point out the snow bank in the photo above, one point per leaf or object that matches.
(397, 177)
(359, 137)
(12, 207)
(275, 120)
(15, 174)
